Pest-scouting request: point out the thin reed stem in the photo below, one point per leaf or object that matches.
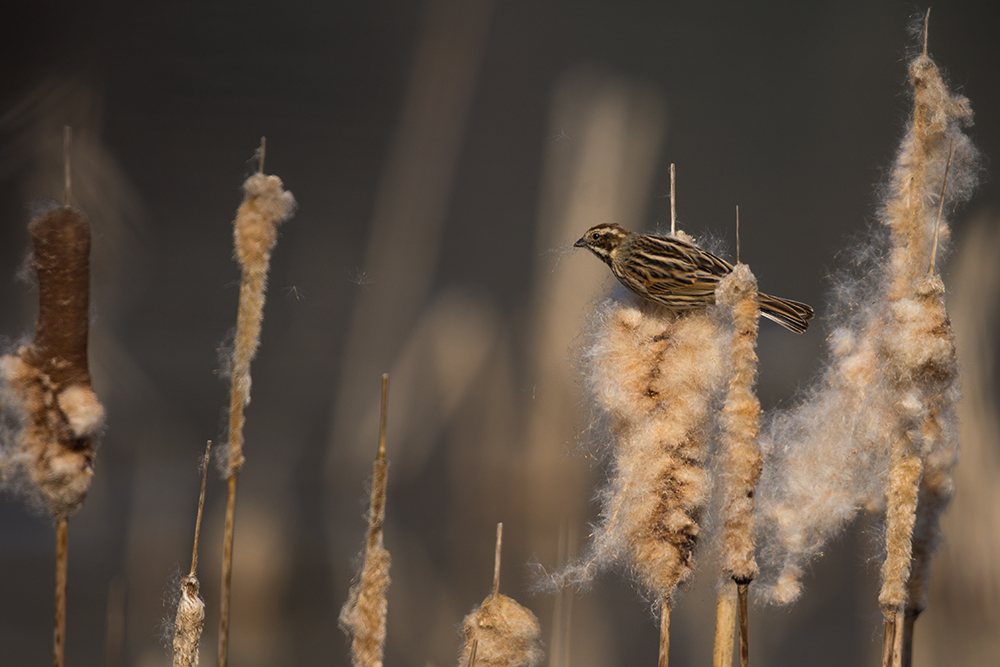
(383, 417)
(62, 561)
(927, 18)
(201, 506)
(496, 561)
(737, 233)
(673, 200)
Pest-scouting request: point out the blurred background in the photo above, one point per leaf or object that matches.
(445, 154)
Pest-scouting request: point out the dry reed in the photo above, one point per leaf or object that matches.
(189, 619)
(500, 632)
(740, 455)
(265, 205)
(879, 430)
(741, 459)
(363, 616)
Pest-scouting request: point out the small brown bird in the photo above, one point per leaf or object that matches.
(677, 274)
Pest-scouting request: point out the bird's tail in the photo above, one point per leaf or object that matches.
(792, 315)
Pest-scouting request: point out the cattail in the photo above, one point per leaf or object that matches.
(936, 161)
(500, 632)
(878, 431)
(654, 378)
(189, 619)
(47, 384)
(48, 380)
(188, 623)
(265, 205)
(363, 616)
(505, 635)
(740, 453)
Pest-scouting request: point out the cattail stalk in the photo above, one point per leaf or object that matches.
(62, 563)
(265, 205)
(664, 653)
(725, 625)
(363, 616)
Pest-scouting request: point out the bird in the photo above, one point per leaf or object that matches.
(677, 274)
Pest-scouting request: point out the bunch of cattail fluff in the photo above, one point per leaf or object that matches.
(188, 623)
(878, 430)
(501, 633)
(656, 381)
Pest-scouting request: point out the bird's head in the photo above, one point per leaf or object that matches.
(602, 240)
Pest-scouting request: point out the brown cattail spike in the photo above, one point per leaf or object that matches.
(61, 239)
(60, 414)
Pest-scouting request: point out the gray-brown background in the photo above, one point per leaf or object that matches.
(444, 154)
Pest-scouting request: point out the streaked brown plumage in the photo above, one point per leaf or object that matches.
(677, 274)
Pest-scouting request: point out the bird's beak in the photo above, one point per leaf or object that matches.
(582, 243)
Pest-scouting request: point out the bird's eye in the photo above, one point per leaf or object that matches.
(597, 236)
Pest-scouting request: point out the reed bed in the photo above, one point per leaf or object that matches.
(696, 474)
